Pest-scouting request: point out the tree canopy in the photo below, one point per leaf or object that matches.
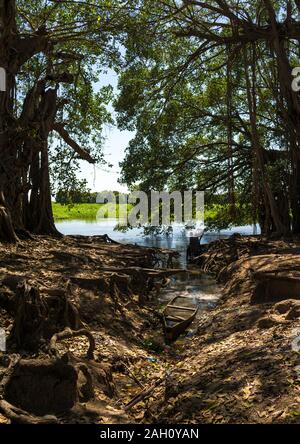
(53, 53)
(207, 87)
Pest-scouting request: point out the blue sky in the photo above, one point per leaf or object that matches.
(103, 178)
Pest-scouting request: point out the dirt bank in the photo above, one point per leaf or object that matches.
(241, 367)
(103, 291)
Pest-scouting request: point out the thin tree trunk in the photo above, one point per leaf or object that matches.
(269, 199)
(291, 113)
(230, 135)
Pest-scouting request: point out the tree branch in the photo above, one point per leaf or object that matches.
(82, 153)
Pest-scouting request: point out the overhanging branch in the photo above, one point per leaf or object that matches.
(82, 153)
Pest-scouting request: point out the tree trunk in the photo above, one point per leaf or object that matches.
(40, 219)
(278, 226)
(17, 148)
(290, 112)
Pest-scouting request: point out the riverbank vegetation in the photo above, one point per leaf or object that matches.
(80, 204)
(216, 216)
(87, 211)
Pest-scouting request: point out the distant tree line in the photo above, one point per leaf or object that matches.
(77, 196)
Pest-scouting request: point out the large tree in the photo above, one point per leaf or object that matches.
(53, 52)
(208, 89)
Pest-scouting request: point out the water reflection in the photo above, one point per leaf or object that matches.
(177, 241)
(200, 287)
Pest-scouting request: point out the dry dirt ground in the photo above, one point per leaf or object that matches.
(243, 366)
(240, 367)
(91, 284)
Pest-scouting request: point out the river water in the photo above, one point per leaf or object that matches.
(177, 241)
(200, 287)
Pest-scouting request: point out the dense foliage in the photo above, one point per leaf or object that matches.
(207, 87)
(53, 52)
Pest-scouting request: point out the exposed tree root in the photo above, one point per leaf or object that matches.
(19, 416)
(32, 387)
(28, 328)
(56, 283)
(68, 334)
(219, 254)
(37, 317)
(144, 394)
(7, 232)
(42, 386)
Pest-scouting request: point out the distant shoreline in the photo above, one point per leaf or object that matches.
(88, 211)
(77, 211)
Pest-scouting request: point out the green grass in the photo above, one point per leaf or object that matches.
(215, 215)
(89, 211)
(78, 211)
